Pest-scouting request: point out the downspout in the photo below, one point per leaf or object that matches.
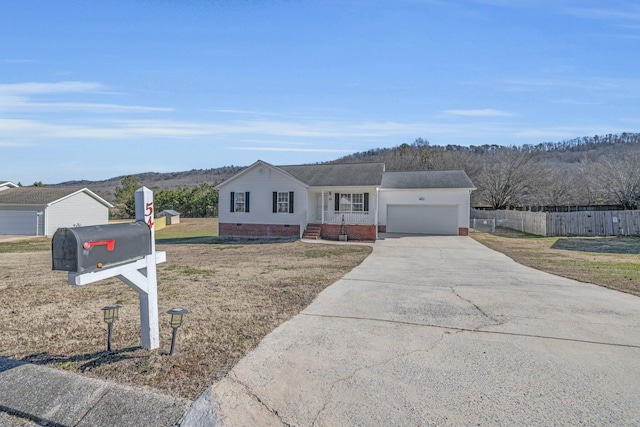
(377, 208)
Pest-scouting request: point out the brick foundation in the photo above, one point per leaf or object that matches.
(258, 230)
(382, 228)
(354, 232)
(463, 231)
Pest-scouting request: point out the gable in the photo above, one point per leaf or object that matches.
(263, 169)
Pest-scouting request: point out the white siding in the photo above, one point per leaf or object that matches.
(261, 181)
(427, 197)
(78, 210)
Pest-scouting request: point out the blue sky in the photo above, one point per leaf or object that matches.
(97, 89)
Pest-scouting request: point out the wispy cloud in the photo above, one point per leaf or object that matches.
(38, 88)
(486, 112)
(627, 12)
(20, 98)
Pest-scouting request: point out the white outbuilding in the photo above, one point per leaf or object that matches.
(40, 211)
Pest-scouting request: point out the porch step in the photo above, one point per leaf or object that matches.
(312, 232)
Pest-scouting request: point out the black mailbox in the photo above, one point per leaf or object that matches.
(85, 249)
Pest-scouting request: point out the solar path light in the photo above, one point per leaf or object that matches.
(110, 316)
(175, 322)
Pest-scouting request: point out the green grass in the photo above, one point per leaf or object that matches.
(200, 230)
(36, 244)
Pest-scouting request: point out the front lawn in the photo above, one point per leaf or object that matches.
(612, 262)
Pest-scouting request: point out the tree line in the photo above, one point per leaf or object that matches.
(199, 201)
(598, 170)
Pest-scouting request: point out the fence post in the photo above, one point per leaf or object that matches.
(493, 225)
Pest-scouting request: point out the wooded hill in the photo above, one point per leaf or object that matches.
(598, 170)
(602, 169)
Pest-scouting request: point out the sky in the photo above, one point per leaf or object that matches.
(103, 88)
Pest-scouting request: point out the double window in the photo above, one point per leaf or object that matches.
(352, 202)
(282, 202)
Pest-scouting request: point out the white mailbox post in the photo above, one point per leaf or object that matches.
(139, 274)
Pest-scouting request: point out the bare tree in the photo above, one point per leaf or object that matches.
(507, 177)
(618, 178)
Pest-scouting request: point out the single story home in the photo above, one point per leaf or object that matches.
(358, 200)
(40, 211)
(171, 216)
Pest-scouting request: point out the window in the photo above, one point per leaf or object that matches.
(357, 202)
(282, 202)
(239, 202)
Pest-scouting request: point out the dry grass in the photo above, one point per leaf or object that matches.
(612, 262)
(236, 294)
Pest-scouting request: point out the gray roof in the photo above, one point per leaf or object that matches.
(338, 174)
(37, 195)
(170, 212)
(427, 179)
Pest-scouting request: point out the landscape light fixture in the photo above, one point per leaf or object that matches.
(110, 316)
(175, 322)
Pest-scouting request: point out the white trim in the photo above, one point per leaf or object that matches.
(86, 191)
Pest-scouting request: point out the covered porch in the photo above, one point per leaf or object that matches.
(351, 212)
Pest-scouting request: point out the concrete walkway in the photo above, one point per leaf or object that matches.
(32, 395)
(442, 331)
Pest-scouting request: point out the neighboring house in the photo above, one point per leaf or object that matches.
(359, 199)
(42, 210)
(5, 185)
(170, 215)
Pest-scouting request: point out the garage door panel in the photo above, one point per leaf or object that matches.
(421, 219)
(18, 222)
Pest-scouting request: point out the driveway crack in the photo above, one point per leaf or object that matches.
(495, 321)
(232, 376)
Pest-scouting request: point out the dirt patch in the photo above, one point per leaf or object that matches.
(606, 261)
(236, 294)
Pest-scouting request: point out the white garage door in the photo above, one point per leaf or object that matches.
(442, 220)
(18, 222)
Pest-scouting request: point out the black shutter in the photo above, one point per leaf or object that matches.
(366, 202)
(246, 201)
(275, 202)
(233, 201)
(337, 202)
(290, 201)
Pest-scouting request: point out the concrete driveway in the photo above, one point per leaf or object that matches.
(443, 331)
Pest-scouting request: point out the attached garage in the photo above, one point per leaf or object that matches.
(425, 202)
(416, 219)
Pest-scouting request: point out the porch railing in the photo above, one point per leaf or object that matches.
(335, 217)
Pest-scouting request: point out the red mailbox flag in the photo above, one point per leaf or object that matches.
(110, 244)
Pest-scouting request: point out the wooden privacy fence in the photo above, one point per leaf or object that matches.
(585, 223)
